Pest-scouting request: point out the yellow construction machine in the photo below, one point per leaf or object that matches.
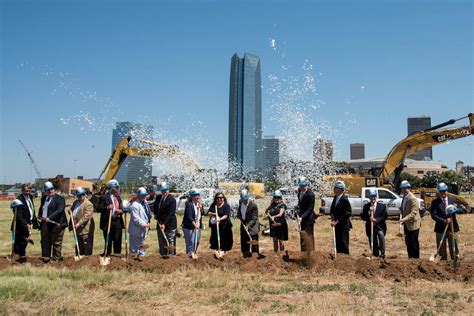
(394, 163)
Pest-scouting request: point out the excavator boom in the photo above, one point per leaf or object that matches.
(394, 162)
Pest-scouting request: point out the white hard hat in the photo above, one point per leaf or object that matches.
(113, 184)
(340, 185)
(442, 186)
(277, 194)
(244, 195)
(125, 203)
(48, 186)
(164, 186)
(16, 203)
(405, 185)
(142, 191)
(372, 192)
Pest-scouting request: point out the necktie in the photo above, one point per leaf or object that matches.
(163, 198)
(116, 205)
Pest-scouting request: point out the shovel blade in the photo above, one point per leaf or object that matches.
(104, 261)
(77, 258)
(218, 255)
(432, 258)
(194, 256)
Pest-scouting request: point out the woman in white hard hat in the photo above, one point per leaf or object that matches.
(278, 225)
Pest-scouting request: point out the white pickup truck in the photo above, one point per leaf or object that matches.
(385, 196)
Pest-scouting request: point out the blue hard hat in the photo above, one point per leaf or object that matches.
(16, 203)
(442, 186)
(339, 185)
(113, 184)
(405, 184)
(80, 191)
(372, 192)
(194, 192)
(244, 195)
(164, 186)
(142, 191)
(302, 181)
(277, 194)
(48, 186)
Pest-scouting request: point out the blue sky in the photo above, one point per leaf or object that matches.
(167, 63)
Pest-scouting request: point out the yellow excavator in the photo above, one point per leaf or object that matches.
(394, 163)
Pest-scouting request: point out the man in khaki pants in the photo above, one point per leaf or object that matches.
(82, 211)
(411, 219)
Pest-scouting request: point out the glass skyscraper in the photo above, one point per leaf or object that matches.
(134, 170)
(245, 116)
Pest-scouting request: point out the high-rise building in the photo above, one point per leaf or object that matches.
(414, 125)
(323, 150)
(134, 169)
(357, 151)
(274, 149)
(245, 116)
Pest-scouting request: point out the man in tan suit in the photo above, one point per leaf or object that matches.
(82, 211)
(411, 220)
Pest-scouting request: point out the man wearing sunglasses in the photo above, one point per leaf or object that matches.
(53, 223)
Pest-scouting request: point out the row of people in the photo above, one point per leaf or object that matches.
(53, 221)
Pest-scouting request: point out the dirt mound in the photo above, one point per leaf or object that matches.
(402, 270)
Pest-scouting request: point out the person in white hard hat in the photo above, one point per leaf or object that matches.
(442, 217)
(165, 215)
(307, 217)
(53, 223)
(26, 221)
(411, 220)
(82, 211)
(111, 201)
(341, 212)
(278, 225)
(140, 216)
(247, 212)
(375, 213)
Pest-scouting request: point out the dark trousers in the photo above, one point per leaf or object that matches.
(307, 238)
(342, 240)
(51, 239)
(171, 237)
(245, 242)
(115, 237)
(411, 240)
(378, 248)
(86, 243)
(449, 239)
(21, 241)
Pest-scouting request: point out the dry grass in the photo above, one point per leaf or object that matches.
(45, 290)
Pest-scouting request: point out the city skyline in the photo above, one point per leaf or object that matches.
(71, 71)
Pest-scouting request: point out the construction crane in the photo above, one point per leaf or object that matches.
(33, 163)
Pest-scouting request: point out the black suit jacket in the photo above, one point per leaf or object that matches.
(55, 209)
(166, 214)
(306, 208)
(342, 213)
(190, 216)
(104, 202)
(380, 215)
(438, 214)
(23, 216)
(251, 217)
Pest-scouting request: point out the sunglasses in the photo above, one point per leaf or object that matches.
(220, 197)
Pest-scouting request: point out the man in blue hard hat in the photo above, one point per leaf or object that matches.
(411, 220)
(442, 217)
(306, 214)
(82, 211)
(53, 223)
(247, 212)
(26, 221)
(111, 201)
(375, 214)
(165, 215)
(341, 212)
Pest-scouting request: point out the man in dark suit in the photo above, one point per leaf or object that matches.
(341, 212)
(306, 214)
(248, 215)
(112, 202)
(53, 223)
(165, 215)
(442, 218)
(374, 213)
(25, 221)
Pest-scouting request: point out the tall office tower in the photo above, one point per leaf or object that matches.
(415, 124)
(323, 150)
(134, 169)
(245, 116)
(357, 151)
(274, 150)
